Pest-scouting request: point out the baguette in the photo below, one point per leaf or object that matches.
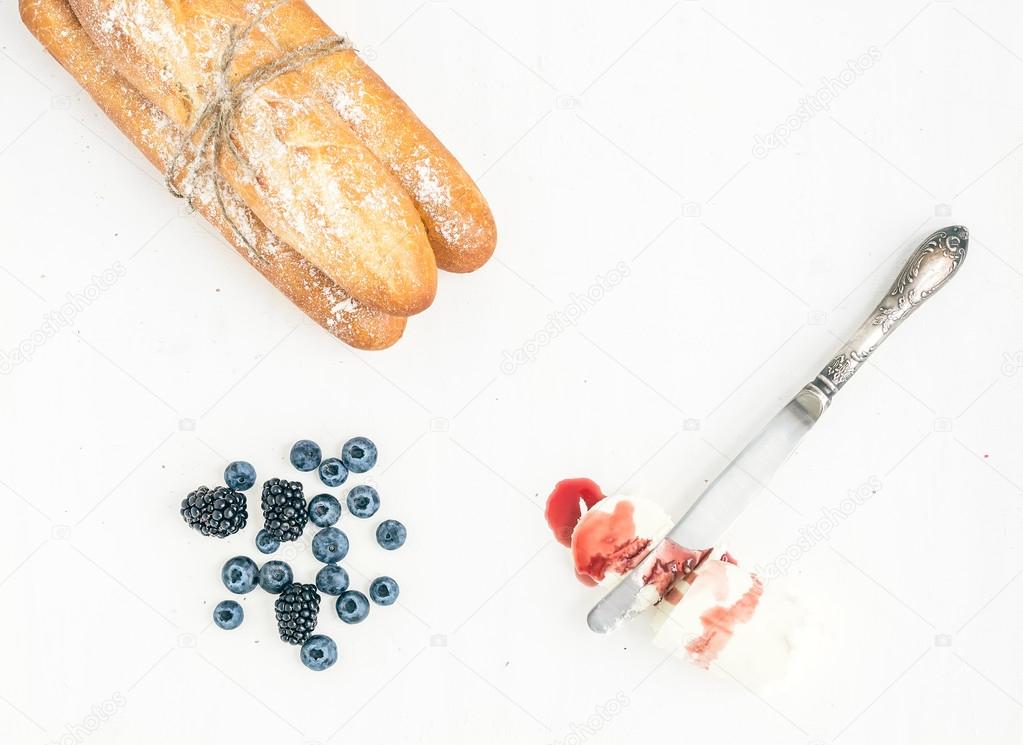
(156, 136)
(307, 176)
(457, 219)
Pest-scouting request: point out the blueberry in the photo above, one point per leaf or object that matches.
(239, 575)
(330, 545)
(266, 543)
(305, 455)
(332, 580)
(383, 590)
(359, 454)
(324, 510)
(363, 501)
(391, 534)
(275, 576)
(228, 615)
(319, 652)
(240, 475)
(352, 606)
(333, 472)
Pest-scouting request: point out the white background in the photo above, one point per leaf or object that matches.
(601, 135)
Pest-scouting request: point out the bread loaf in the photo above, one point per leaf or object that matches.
(304, 172)
(156, 136)
(457, 218)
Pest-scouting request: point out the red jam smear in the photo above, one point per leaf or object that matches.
(719, 624)
(672, 563)
(563, 506)
(607, 541)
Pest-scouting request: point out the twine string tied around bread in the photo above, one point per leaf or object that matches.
(210, 136)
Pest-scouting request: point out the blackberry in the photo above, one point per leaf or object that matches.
(284, 509)
(220, 511)
(296, 610)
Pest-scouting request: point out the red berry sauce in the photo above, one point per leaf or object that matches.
(563, 506)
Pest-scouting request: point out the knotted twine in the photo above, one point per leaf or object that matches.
(216, 120)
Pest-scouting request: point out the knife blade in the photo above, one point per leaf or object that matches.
(930, 266)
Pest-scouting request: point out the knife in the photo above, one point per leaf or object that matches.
(930, 266)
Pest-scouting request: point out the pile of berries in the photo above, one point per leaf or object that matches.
(222, 512)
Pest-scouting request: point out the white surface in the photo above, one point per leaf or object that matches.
(601, 135)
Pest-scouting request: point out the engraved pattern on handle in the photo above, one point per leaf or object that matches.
(932, 264)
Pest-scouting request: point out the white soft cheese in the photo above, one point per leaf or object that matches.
(594, 535)
(711, 625)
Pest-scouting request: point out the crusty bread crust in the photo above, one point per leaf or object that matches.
(156, 136)
(309, 178)
(457, 218)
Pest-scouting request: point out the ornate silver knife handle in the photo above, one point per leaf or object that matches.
(932, 264)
